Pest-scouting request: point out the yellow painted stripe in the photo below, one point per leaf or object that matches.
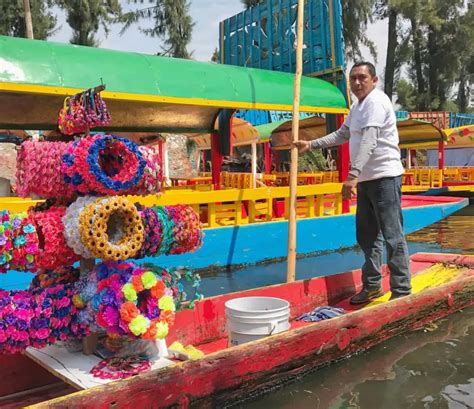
(463, 188)
(419, 145)
(415, 188)
(190, 197)
(47, 90)
(434, 276)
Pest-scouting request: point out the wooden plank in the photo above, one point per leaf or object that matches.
(74, 367)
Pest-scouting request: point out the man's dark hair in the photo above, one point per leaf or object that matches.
(370, 66)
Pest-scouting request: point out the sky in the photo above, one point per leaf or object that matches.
(206, 14)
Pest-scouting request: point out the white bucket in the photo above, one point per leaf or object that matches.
(251, 318)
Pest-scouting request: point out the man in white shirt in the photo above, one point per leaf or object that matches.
(376, 171)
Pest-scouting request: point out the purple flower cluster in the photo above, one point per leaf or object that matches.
(38, 318)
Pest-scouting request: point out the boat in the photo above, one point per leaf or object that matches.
(414, 134)
(226, 375)
(164, 97)
(238, 227)
(234, 241)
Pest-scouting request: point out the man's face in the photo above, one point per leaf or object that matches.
(361, 82)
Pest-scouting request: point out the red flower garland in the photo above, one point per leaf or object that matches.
(120, 368)
(54, 251)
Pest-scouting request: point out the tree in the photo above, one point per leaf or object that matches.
(86, 16)
(441, 47)
(356, 16)
(12, 21)
(172, 23)
(216, 57)
(406, 95)
(251, 3)
(386, 9)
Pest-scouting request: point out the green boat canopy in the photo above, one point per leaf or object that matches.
(143, 92)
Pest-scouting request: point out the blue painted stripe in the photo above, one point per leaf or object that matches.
(255, 243)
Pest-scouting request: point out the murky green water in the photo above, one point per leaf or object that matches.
(427, 369)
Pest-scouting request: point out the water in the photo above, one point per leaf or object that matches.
(428, 369)
(425, 369)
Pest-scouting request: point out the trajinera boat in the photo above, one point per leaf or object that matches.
(164, 95)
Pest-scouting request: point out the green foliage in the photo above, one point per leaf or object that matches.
(251, 3)
(406, 95)
(86, 16)
(441, 50)
(312, 161)
(216, 56)
(435, 41)
(356, 15)
(172, 24)
(12, 18)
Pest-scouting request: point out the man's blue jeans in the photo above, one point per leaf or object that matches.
(378, 218)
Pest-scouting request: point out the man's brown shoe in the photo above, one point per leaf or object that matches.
(366, 295)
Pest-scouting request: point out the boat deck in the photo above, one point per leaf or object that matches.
(425, 275)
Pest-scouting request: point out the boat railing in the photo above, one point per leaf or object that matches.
(229, 207)
(430, 177)
(244, 180)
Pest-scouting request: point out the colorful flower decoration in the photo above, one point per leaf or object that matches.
(38, 170)
(173, 278)
(152, 233)
(9, 226)
(120, 367)
(111, 228)
(103, 164)
(170, 230)
(37, 318)
(71, 221)
(151, 180)
(187, 229)
(53, 249)
(18, 242)
(49, 278)
(82, 112)
(128, 300)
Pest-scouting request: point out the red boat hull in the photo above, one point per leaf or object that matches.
(232, 374)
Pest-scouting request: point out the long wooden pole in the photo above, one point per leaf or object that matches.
(28, 21)
(291, 272)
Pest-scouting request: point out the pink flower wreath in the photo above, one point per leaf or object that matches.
(38, 170)
(103, 164)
